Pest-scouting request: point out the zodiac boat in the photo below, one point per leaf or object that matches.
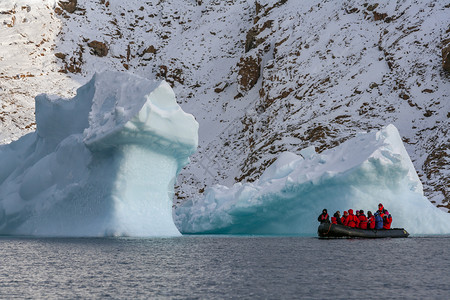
(329, 230)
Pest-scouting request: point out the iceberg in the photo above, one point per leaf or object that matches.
(288, 197)
(101, 164)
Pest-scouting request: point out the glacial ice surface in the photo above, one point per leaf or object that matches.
(287, 199)
(101, 164)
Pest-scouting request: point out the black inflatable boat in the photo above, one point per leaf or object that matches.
(328, 230)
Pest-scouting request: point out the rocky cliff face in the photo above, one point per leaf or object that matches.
(261, 76)
(28, 65)
(332, 71)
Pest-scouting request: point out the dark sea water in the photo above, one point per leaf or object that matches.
(224, 267)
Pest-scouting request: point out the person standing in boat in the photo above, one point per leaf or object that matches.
(381, 210)
(370, 220)
(353, 221)
(324, 218)
(387, 220)
(362, 220)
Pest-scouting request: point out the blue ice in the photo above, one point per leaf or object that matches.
(360, 173)
(101, 164)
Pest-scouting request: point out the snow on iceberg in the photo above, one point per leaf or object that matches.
(360, 173)
(102, 163)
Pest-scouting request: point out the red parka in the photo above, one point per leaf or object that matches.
(387, 220)
(323, 218)
(371, 222)
(362, 221)
(381, 210)
(352, 220)
(344, 219)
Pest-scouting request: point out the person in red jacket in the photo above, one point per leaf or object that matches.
(344, 218)
(381, 210)
(387, 220)
(370, 220)
(362, 220)
(336, 218)
(353, 221)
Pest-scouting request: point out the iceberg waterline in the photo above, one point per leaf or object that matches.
(360, 173)
(102, 163)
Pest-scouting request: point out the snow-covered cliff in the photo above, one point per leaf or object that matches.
(261, 77)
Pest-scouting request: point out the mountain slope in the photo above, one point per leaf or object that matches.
(261, 77)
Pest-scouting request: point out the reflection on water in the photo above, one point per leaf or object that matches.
(224, 267)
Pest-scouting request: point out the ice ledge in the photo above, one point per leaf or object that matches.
(368, 169)
(102, 163)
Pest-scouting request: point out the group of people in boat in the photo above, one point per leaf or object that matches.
(382, 219)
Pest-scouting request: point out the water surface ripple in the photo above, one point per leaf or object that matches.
(224, 267)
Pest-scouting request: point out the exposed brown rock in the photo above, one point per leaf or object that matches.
(249, 72)
(58, 10)
(13, 21)
(73, 63)
(379, 16)
(69, 6)
(170, 75)
(150, 49)
(446, 57)
(162, 71)
(264, 10)
(8, 12)
(404, 96)
(372, 7)
(220, 87)
(373, 85)
(176, 75)
(250, 39)
(434, 167)
(428, 113)
(98, 48)
(317, 133)
(270, 100)
(72, 68)
(60, 55)
(351, 10)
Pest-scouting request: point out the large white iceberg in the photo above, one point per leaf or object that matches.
(103, 163)
(362, 172)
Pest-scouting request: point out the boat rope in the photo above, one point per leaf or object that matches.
(329, 228)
